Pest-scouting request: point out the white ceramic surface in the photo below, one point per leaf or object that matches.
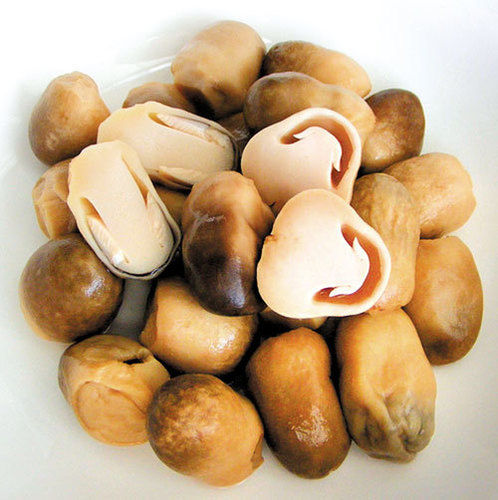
(446, 52)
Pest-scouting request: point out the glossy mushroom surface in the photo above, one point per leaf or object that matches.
(315, 148)
(321, 259)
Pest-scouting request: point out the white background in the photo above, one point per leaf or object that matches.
(445, 52)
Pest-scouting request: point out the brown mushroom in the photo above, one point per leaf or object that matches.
(109, 381)
(447, 305)
(441, 189)
(215, 69)
(173, 201)
(275, 97)
(66, 292)
(199, 426)
(183, 334)
(66, 118)
(387, 386)
(386, 205)
(399, 129)
(273, 318)
(164, 93)
(328, 66)
(321, 259)
(289, 376)
(315, 148)
(224, 222)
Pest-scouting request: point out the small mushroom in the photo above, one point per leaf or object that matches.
(315, 148)
(387, 386)
(386, 205)
(200, 427)
(224, 222)
(183, 334)
(164, 93)
(321, 259)
(215, 68)
(119, 213)
(328, 66)
(66, 292)
(176, 148)
(66, 118)
(50, 201)
(447, 305)
(109, 381)
(236, 125)
(399, 129)
(278, 96)
(441, 189)
(289, 377)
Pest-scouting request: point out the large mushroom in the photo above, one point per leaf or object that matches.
(321, 259)
(315, 148)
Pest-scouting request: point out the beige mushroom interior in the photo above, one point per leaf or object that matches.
(176, 148)
(321, 259)
(315, 148)
(118, 211)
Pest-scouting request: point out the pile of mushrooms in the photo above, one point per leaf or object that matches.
(289, 224)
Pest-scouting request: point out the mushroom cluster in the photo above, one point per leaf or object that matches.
(304, 284)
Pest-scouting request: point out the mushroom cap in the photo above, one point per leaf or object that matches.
(314, 148)
(176, 148)
(321, 259)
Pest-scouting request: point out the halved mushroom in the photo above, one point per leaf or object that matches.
(315, 148)
(176, 148)
(119, 213)
(321, 259)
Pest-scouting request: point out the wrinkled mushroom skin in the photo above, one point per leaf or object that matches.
(224, 222)
(447, 305)
(66, 118)
(216, 68)
(50, 202)
(275, 97)
(183, 334)
(66, 292)
(321, 259)
(328, 66)
(164, 93)
(314, 148)
(107, 181)
(441, 189)
(387, 386)
(200, 427)
(173, 201)
(399, 129)
(176, 148)
(109, 381)
(289, 376)
(386, 205)
(236, 125)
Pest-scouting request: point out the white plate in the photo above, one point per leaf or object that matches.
(447, 56)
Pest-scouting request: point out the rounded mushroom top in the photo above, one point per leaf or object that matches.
(315, 148)
(321, 259)
(176, 148)
(119, 213)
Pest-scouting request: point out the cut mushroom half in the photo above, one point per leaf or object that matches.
(315, 148)
(119, 212)
(321, 259)
(176, 148)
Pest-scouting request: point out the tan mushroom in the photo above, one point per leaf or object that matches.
(176, 148)
(236, 125)
(164, 93)
(315, 148)
(173, 200)
(321, 259)
(109, 381)
(280, 322)
(328, 66)
(50, 201)
(119, 213)
(215, 69)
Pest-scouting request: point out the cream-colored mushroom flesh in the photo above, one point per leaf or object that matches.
(321, 259)
(119, 213)
(315, 148)
(177, 148)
